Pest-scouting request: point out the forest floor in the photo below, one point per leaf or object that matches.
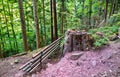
(102, 62)
(10, 66)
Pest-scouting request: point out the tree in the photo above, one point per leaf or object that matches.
(90, 11)
(23, 25)
(1, 55)
(6, 22)
(82, 12)
(51, 11)
(12, 26)
(44, 19)
(55, 20)
(36, 23)
(114, 6)
(62, 17)
(106, 9)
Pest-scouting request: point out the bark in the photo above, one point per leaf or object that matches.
(106, 9)
(44, 19)
(1, 55)
(83, 12)
(78, 40)
(62, 17)
(2, 40)
(114, 6)
(52, 39)
(23, 25)
(117, 5)
(36, 23)
(90, 12)
(111, 8)
(55, 20)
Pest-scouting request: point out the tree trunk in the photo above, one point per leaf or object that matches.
(51, 2)
(2, 40)
(90, 12)
(23, 25)
(62, 17)
(106, 9)
(36, 23)
(1, 55)
(114, 6)
(55, 20)
(44, 20)
(111, 8)
(83, 12)
(117, 5)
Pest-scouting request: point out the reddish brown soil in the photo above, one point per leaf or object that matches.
(103, 62)
(8, 67)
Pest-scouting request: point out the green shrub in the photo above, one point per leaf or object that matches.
(107, 31)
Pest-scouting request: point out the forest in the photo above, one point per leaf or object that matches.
(59, 38)
(27, 25)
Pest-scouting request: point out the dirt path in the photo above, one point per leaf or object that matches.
(10, 66)
(104, 62)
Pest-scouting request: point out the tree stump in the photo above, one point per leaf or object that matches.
(78, 40)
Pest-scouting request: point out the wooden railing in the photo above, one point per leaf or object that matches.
(41, 56)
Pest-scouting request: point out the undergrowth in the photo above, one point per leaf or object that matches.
(106, 31)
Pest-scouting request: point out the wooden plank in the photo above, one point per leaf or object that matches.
(36, 59)
(42, 60)
(47, 54)
(49, 46)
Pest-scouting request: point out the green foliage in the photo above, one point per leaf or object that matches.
(114, 19)
(107, 31)
(76, 16)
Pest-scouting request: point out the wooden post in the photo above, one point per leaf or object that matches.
(41, 59)
(119, 33)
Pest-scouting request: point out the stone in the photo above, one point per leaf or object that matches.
(94, 63)
(48, 64)
(100, 34)
(113, 37)
(78, 63)
(76, 56)
(16, 61)
(33, 75)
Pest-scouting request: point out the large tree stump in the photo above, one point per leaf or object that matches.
(78, 40)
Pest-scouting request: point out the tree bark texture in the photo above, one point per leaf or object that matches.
(55, 20)
(36, 23)
(106, 9)
(51, 8)
(90, 12)
(44, 19)
(78, 40)
(23, 25)
(62, 18)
